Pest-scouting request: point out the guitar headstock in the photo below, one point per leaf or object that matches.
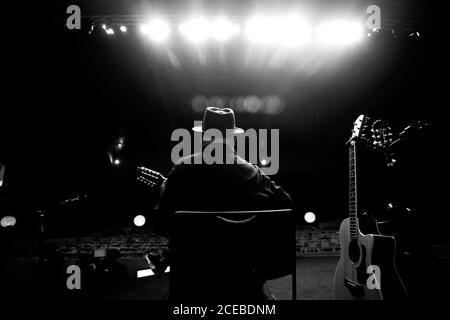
(150, 177)
(382, 139)
(382, 136)
(360, 129)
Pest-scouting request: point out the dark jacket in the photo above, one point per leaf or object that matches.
(223, 187)
(220, 187)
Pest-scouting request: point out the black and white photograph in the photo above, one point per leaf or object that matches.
(224, 158)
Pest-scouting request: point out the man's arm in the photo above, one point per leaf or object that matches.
(279, 196)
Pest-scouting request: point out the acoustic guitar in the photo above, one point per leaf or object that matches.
(366, 268)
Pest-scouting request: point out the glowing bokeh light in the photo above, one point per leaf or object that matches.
(139, 220)
(217, 101)
(310, 217)
(292, 31)
(252, 104)
(257, 29)
(8, 221)
(157, 29)
(222, 29)
(196, 29)
(286, 31)
(199, 103)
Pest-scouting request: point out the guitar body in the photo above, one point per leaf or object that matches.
(355, 278)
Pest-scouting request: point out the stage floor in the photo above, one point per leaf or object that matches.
(314, 282)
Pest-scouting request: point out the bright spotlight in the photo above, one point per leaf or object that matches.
(339, 32)
(144, 29)
(123, 28)
(222, 29)
(285, 31)
(199, 103)
(196, 30)
(258, 29)
(139, 220)
(292, 31)
(104, 26)
(157, 29)
(310, 217)
(110, 31)
(116, 162)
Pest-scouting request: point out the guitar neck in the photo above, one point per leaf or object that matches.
(353, 195)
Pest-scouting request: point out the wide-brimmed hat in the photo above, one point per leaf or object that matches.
(218, 118)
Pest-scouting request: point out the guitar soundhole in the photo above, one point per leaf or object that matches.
(353, 251)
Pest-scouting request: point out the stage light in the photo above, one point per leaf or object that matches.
(222, 29)
(258, 29)
(199, 103)
(157, 29)
(285, 31)
(144, 28)
(292, 31)
(8, 221)
(310, 217)
(273, 104)
(196, 30)
(116, 162)
(252, 104)
(110, 31)
(339, 32)
(123, 28)
(104, 26)
(139, 220)
(217, 101)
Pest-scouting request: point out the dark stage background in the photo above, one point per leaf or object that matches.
(69, 95)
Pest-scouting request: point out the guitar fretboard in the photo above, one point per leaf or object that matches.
(353, 206)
